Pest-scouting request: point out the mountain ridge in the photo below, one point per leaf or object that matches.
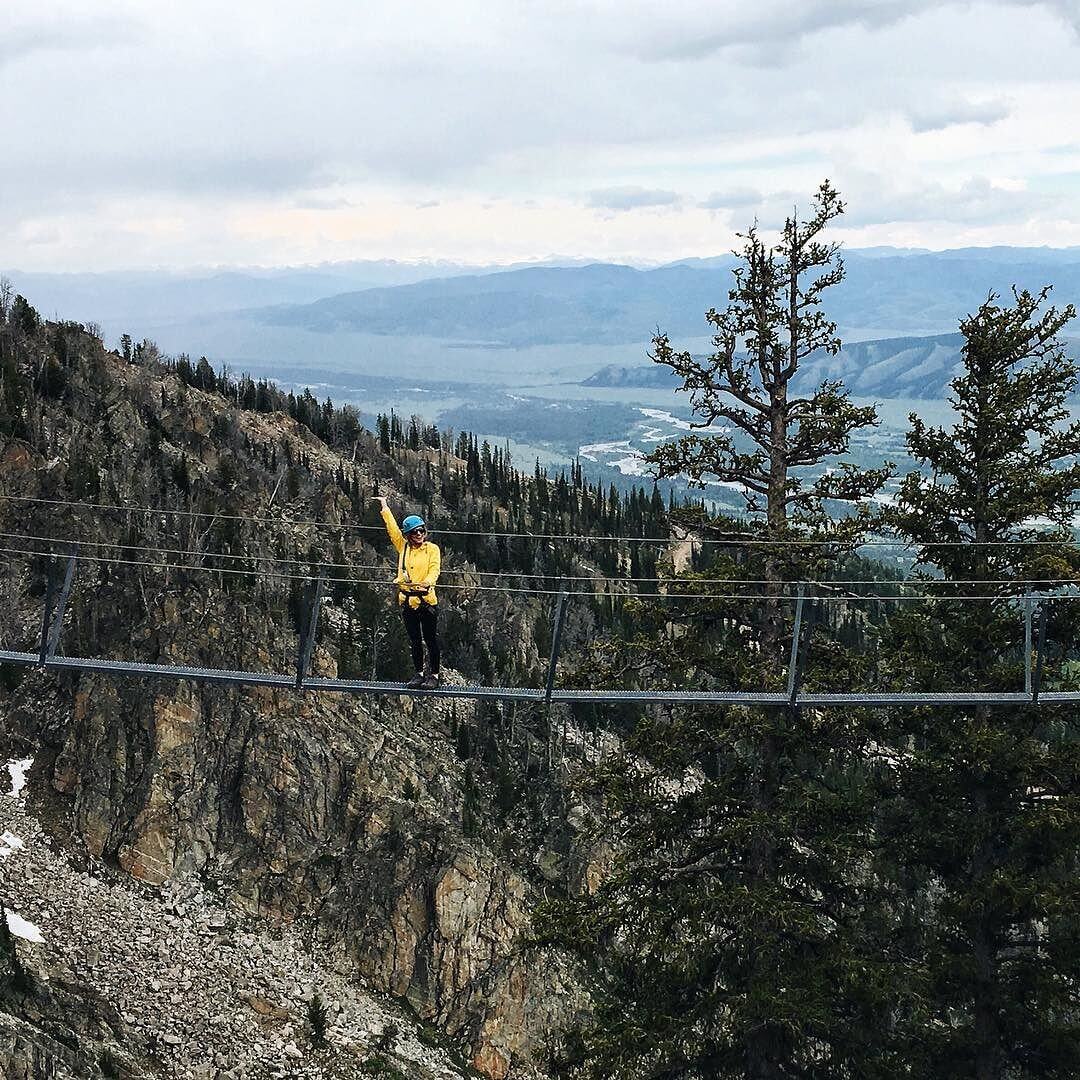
(890, 367)
(603, 303)
(141, 297)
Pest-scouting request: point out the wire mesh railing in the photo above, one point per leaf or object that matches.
(41, 646)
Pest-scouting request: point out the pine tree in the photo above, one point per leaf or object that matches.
(736, 934)
(773, 322)
(318, 1019)
(984, 831)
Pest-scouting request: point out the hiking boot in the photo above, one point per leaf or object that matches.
(417, 681)
(431, 682)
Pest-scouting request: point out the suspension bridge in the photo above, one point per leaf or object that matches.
(62, 575)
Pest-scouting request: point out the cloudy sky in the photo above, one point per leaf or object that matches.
(259, 132)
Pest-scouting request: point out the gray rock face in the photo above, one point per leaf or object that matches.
(138, 981)
(296, 806)
(28, 1053)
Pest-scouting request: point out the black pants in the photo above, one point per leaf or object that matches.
(422, 625)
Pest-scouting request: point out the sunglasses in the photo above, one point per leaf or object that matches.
(417, 532)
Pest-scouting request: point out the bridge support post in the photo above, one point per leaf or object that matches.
(1027, 644)
(1036, 682)
(307, 638)
(796, 660)
(46, 614)
(58, 618)
(556, 641)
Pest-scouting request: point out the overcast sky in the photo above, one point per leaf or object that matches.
(139, 134)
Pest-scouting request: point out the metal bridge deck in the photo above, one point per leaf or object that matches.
(499, 693)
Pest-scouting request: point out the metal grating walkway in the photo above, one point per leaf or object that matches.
(500, 693)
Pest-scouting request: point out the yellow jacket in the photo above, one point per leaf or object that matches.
(416, 565)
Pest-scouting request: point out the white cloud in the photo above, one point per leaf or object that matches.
(1069, 10)
(975, 201)
(256, 132)
(47, 28)
(631, 197)
(733, 199)
(936, 117)
(698, 30)
(317, 201)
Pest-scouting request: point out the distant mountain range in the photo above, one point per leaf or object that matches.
(596, 304)
(998, 253)
(651, 377)
(897, 295)
(895, 367)
(139, 297)
(889, 292)
(919, 367)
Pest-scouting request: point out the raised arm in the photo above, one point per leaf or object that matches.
(391, 524)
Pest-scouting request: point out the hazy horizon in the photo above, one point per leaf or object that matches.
(200, 269)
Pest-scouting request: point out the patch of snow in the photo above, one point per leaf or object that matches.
(23, 929)
(18, 770)
(631, 465)
(9, 842)
(622, 447)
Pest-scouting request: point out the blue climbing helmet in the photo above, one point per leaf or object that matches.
(412, 523)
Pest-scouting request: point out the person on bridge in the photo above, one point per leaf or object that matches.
(417, 571)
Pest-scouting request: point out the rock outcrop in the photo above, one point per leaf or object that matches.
(303, 808)
(111, 979)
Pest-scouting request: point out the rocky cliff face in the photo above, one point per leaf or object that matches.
(337, 813)
(361, 823)
(104, 978)
(328, 812)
